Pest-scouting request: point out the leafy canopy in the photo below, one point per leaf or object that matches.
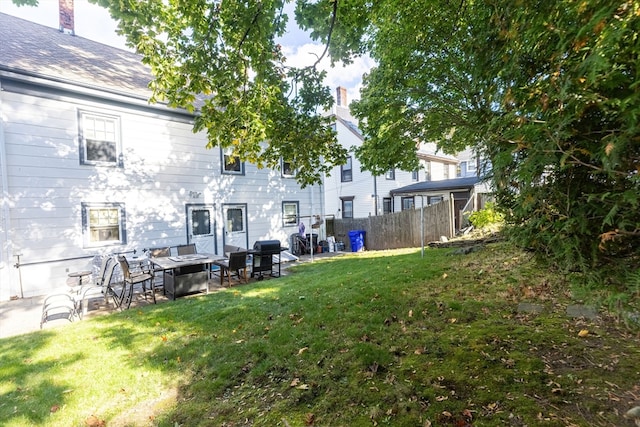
(221, 59)
(547, 92)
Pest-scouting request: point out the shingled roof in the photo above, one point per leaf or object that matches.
(33, 50)
(442, 185)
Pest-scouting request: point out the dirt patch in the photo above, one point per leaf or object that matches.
(145, 413)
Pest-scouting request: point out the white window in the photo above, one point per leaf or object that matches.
(103, 224)
(290, 213)
(391, 174)
(99, 139)
(231, 164)
(407, 203)
(346, 171)
(472, 165)
(288, 171)
(347, 206)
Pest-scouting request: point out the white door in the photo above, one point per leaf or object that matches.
(235, 225)
(201, 228)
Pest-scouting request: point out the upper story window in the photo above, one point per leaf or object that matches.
(472, 165)
(231, 164)
(391, 174)
(346, 171)
(288, 171)
(99, 139)
(446, 171)
(290, 213)
(103, 224)
(459, 168)
(427, 171)
(415, 175)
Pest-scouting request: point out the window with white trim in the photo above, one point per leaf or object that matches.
(347, 206)
(103, 224)
(288, 171)
(407, 203)
(231, 164)
(387, 205)
(99, 139)
(346, 171)
(290, 213)
(390, 174)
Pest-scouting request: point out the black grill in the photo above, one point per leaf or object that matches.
(266, 247)
(263, 258)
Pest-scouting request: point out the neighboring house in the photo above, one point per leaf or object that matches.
(350, 192)
(88, 166)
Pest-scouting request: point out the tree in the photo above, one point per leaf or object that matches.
(547, 91)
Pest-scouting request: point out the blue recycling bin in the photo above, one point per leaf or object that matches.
(356, 237)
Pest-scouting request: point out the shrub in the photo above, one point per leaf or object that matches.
(486, 216)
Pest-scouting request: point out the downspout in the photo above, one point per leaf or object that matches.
(310, 227)
(5, 245)
(375, 194)
(422, 223)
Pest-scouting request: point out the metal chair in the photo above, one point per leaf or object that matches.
(186, 249)
(100, 287)
(158, 279)
(58, 306)
(134, 280)
(237, 263)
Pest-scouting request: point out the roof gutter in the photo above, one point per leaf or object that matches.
(87, 90)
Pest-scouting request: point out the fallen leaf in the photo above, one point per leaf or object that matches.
(93, 421)
(303, 387)
(583, 333)
(164, 338)
(54, 408)
(410, 313)
(295, 382)
(302, 350)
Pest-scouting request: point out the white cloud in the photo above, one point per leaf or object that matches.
(348, 76)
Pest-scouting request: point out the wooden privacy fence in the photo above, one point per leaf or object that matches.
(400, 229)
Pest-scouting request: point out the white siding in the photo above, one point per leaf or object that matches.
(166, 167)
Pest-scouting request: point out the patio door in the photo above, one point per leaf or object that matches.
(235, 225)
(201, 228)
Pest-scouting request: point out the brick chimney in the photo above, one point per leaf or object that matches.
(66, 16)
(341, 96)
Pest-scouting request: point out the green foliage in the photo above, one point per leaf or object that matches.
(547, 92)
(221, 60)
(486, 216)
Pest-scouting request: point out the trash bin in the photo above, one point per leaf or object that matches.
(356, 237)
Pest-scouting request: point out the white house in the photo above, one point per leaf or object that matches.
(88, 166)
(350, 192)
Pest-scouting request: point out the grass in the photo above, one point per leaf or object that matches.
(377, 338)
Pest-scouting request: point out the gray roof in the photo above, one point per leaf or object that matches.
(443, 185)
(35, 50)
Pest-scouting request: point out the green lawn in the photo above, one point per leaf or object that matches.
(376, 338)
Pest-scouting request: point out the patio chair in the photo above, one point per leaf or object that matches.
(158, 279)
(134, 282)
(236, 263)
(186, 249)
(58, 306)
(100, 287)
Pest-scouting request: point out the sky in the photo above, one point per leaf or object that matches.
(94, 23)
